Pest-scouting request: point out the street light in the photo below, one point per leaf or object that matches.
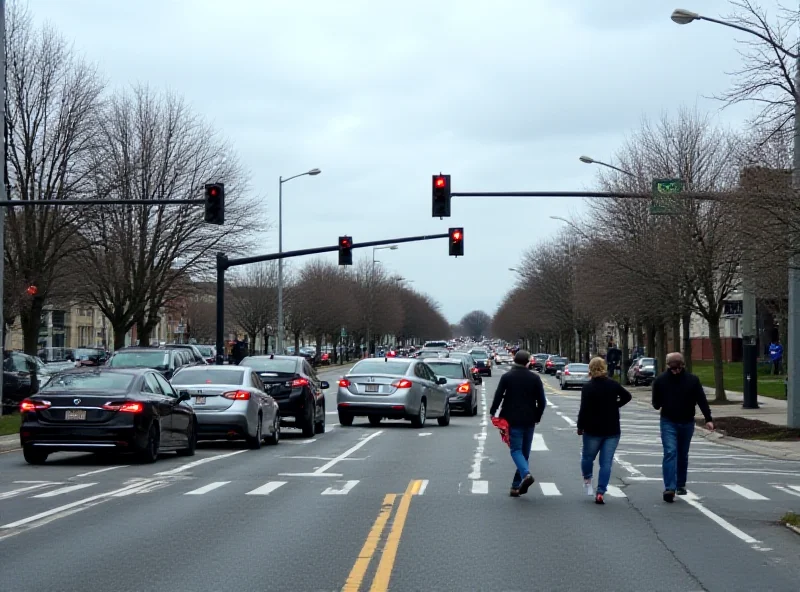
(589, 160)
(372, 279)
(684, 17)
(281, 181)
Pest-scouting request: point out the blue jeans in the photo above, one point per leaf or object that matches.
(520, 441)
(606, 446)
(675, 437)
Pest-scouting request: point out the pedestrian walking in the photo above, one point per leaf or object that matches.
(598, 424)
(776, 356)
(521, 394)
(677, 394)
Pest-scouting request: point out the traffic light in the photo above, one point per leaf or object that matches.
(345, 250)
(441, 196)
(456, 242)
(215, 203)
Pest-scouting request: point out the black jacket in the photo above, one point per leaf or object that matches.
(601, 399)
(522, 394)
(678, 394)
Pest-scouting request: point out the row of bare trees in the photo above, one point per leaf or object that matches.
(70, 138)
(320, 299)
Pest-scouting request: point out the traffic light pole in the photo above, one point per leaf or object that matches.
(223, 264)
(592, 194)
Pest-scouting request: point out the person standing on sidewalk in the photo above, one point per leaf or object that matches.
(677, 394)
(521, 394)
(776, 356)
(598, 423)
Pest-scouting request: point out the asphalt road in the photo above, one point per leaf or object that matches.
(394, 508)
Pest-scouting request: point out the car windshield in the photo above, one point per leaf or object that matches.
(395, 368)
(136, 359)
(206, 350)
(541, 356)
(85, 354)
(431, 354)
(559, 360)
(447, 370)
(479, 355)
(579, 367)
(201, 375)
(647, 362)
(90, 381)
(277, 365)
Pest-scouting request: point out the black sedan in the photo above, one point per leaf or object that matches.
(104, 409)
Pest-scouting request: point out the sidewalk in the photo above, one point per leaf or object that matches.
(772, 411)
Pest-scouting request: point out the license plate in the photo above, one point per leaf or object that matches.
(199, 400)
(75, 414)
(372, 388)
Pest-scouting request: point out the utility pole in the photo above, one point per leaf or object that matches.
(3, 188)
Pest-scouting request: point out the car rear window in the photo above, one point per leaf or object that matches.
(133, 359)
(380, 367)
(206, 350)
(280, 366)
(481, 355)
(579, 367)
(647, 361)
(447, 370)
(559, 360)
(200, 375)
(90, 381)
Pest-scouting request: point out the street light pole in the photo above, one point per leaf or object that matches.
(3, 195)
(281, 181)
(588, 160)
(684, 17)
(369, 294)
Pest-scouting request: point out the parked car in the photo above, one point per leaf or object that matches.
(90, 356)
(294, 384)
(165, 360)
(107, 409)
(209, 352)
(392, 388)
(197, 356)
(574, 375)
(230, 402)
(23, 376)
(642, 371)
(460, 386)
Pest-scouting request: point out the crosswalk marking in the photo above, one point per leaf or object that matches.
(746, 493)
(538, 443)
(615, 491)
(344, 490)
(66, 489)
(207, 488)
(549, 489)
(267, 488)
(795, 487)
(480, 487)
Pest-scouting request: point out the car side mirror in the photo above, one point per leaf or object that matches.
(441, 380)
(324, 385)
(183, 396)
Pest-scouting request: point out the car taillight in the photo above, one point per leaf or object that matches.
(298, 382)
(402, 383)
(29, 405)
(463, 387)
(125, 407)
(237, 395)
(475, 370)
(549, 363)
(566, 372)
(344, 382)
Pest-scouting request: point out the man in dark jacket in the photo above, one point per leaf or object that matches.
(677, 393)
(521, 394)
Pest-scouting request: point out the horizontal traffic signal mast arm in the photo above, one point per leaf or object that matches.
(31, 203)
(594, 194)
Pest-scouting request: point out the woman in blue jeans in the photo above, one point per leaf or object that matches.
(598, 423)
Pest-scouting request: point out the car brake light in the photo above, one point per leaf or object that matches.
(125, 407)
(237, 395)
(402, 383)
(475, 370)
(549, 363)
(463, 387)
(566, 372)
(298, 382)
(344, 382)
(29, 405)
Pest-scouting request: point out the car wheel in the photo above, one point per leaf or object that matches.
(308, 421)
(474, 411)
(419, 420)
(375, 420)
(345, 419)
(444, 420)
(33, 456)
(192, 446)
(149, 454)
(489, 374)
(275, 437)
(563, 386)
(319, 426)
(254, 442)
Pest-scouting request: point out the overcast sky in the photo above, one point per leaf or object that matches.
(502, 95)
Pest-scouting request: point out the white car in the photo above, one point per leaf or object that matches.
(503, 358)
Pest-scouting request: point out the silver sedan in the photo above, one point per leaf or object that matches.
(393, 388)
(230, 403)
(574, 375)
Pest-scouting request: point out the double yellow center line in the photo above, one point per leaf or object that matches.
(383, 573)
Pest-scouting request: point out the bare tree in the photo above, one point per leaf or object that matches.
(476, 323)
(252, 301)
(52, 102)
(422, 318)
(154, 147)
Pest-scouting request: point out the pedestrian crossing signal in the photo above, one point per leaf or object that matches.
(456, 242)
(441, 196)
(345, 250)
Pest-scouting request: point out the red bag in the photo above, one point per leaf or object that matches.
(502, 425)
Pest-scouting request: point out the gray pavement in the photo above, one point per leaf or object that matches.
(394, 508)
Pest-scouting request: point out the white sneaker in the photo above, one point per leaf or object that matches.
(587, 487)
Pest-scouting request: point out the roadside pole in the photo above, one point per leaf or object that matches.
(3, 188)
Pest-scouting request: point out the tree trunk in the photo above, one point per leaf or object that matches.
(686, 320)
(625, 352)
(651, 340)
(31, 321)
(251, 347)
(716, 348)
(120, 331)
(297, 343)
(661, 346)
(676, 333)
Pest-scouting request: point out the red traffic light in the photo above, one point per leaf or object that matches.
(345, 242)
(439, 182)
(457, 235)
(32, 290)
(213, 191)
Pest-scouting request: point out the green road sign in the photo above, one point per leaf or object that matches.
(344, 332)
(663, 201)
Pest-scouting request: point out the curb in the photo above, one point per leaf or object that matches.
(790, 527)
(747, 445)
(8, 443)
